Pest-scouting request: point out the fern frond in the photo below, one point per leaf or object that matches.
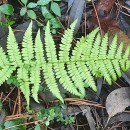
(27, 46)
(23, 79)
(90, 57)
(12, 49)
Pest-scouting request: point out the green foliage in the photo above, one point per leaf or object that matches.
(7, 23)
(30, 8)
(52, 113)
(90, 57)
(16, 124)
(6, 9)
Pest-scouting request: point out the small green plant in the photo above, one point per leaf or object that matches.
(52, 113)
(7, 23)
(6, 9)
(31, 9)
(90, 57)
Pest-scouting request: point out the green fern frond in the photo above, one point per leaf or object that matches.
(27, 46)
(91, 57)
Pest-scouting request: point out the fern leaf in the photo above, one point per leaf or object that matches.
(75, 75)
(38, 47)
(88, 44)
(119, 51)
(51, 81)
(5, 73)
(96, 47)
(3, 59)
(35, 80)
(116, 66)
(50, 45)
(110, 68)
(64, 79)
(112, 49)
(86, 75)
(12, 49)
(66, 42)
(27, 46)
(77, 52)
(105, 72)
(23, 79)
(103, 47)
(94, 56)
(126, 54)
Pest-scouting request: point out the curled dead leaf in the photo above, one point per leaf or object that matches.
(117, 101)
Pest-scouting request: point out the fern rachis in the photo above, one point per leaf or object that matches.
(90, 57)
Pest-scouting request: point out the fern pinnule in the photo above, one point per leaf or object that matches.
(110, 69)
(89, 44)
(93, 66)
(77, 51)
(75, 75)
(64, 79)
(119, 51)
(103, 47)
(85, 72)
(35, 81)
(23, 79)
(95, 48)
(51, 81)
(50, 45)
(5, 73)
(112, 48)
(27, 46)
(127, 53)
(13, 50)
(66, 43)
(104, 71)
(39, 51)
(3, 59)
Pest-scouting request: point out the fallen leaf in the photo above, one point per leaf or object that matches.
(117, 101)
(105, 5)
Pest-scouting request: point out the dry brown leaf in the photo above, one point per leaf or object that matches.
(117, 101)
(105, 5)
(122, 37)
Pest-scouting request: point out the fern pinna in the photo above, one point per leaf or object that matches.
(91, 57)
